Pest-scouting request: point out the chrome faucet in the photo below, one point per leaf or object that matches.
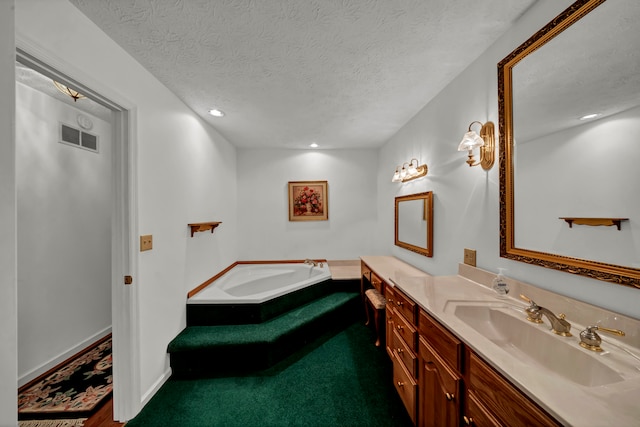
(313, 263)
(535, 313)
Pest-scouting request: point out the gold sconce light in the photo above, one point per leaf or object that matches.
(408, 171)
(485, 141)
(68, 91)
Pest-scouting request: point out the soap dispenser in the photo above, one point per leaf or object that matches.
(500, 284)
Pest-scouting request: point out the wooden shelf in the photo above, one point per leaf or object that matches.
(593, 221)
(203, 226)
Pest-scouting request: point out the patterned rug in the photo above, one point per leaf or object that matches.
(73, 390)
(78, 422)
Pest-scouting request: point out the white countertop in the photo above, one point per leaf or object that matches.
(616, 404)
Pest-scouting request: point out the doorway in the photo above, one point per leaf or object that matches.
(87, 215)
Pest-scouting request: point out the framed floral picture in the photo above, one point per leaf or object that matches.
(308, 201)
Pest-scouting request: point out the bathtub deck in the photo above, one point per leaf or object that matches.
(345, 269)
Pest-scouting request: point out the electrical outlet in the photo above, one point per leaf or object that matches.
(470, 257)
(146, 242)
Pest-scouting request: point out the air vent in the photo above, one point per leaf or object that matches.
(77, 138)
(89, 141)
(70, 135)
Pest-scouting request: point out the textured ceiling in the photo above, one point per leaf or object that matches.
(342, 73)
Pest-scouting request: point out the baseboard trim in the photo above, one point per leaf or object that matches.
(52, 363)
(146, 397)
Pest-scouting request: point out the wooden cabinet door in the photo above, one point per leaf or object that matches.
(440, 390)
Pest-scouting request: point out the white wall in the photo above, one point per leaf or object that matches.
(264, 229)
(64, 234)
(185, 172)
(8, 258)
(466, 200)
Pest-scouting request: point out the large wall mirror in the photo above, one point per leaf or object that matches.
(414, 223)
(569, 105)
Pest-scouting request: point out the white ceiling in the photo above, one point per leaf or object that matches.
(342, 73)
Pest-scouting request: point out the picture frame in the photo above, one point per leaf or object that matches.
(308, 201)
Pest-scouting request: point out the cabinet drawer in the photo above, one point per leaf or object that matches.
(502, 399)
(443, 342)
(404, 305)
(405, 329)
(405, 354)
(406, 388)
(366, 271)
(389, 333)
(376, 282)
(477, 415)
(390, 295)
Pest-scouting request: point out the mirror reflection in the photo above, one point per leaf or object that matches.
(569, 113)
(414, 223)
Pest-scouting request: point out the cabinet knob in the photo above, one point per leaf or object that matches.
(399, 303)
(450, 396)
(399, 327)
(399, 350)
(400, 384)
(468, 421)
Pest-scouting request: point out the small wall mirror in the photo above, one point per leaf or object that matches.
(414, 223)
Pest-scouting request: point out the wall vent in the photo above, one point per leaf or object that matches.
(72, 136)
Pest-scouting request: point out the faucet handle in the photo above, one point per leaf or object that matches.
(590, 340)
(533, 311)
(527, 299)
(611, 331)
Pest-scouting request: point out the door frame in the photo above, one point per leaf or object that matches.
(124, 298)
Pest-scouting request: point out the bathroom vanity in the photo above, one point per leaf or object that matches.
(463, 356)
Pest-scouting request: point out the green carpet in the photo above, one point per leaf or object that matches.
(205, 351)
(343, 380)
(196, 337)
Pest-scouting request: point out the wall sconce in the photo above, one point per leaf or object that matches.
(408, 171)
(485, 141)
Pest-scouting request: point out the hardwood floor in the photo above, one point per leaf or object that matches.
(103, 417)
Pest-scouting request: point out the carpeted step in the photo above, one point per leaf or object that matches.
(200, 351)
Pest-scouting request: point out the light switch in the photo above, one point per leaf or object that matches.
(146, 242)
(470, 257)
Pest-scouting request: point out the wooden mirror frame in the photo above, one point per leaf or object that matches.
(622, 275)
(428, 206)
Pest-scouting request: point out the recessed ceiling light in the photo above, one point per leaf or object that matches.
(589, 116)
(313, 145)
(216, 113)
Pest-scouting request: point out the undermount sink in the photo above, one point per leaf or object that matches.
(536, 345)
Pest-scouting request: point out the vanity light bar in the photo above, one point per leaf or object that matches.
(409, 171)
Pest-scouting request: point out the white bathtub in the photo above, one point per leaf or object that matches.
(257, 283)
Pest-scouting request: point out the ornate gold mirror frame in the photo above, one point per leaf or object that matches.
(421, 221)
(597, 270)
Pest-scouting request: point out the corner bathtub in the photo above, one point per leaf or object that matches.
(257, 283)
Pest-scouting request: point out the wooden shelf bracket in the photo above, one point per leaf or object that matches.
(203, 226)
(593, 221)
